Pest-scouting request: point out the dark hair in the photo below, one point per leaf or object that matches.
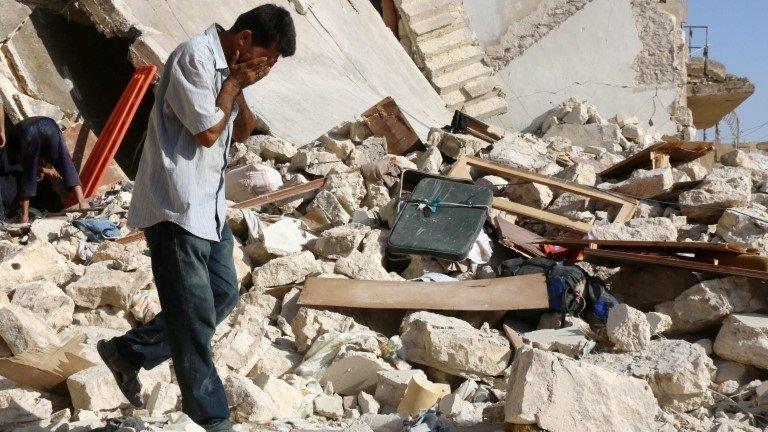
(269, 24)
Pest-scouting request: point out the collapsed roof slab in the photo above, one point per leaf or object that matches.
(711, 101)
(346, 61)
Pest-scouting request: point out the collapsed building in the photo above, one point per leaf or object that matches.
(583, 146)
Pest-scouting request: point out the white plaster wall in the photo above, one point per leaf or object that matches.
(590, 57)
(490, 18)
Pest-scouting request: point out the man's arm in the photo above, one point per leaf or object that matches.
(241, 75)
(245, 122)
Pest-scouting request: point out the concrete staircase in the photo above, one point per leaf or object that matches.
(437, 36)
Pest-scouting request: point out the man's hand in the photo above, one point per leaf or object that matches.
(247, 73)
(48, 172)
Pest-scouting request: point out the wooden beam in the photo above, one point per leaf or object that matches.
(542, 215)
(508, 293)
(597, 255)
(281, 194)
(627, 206)
(692, 247)
(677, 152)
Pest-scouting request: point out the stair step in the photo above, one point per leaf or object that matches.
(454, 59)
(485, 108)
(432, 24)
(454, 80)
(416, 11)
(438, 45)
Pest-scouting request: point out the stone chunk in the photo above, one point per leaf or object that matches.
(367, 404)
(706, 304)
(101, 286)
(339, 242)
(165, 397)
(628, 329)
(47, 301)
(604, 136)
(354, 373)
(22, 330)
(18, 406)
(722, 189)
(579, 173)
(457, 145)
(277, 149)
(247, 401)
(658, 322)
(240, 348)
(392, 385)
(38, 261)
(745, 226)
(317, 162)
(430, 161)
(650, 229)
(311, 323)
(329, 406)
(520, 151)
(277, 358)
(337, 145)
(530, 194)
(348, 188)
(285, 270)
(678, 372)
(326, 209)
(95, 389)
(371, 150)
(559, 394)
(646, 183)
(743, 338)
(454, 346)
(359, 265)
(567, 340)
(287, 398)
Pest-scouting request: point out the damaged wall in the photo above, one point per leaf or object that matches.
(624, 56)
(345, 59)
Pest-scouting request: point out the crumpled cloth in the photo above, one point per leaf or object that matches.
(98, 230)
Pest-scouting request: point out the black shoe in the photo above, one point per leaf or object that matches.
(127, 378)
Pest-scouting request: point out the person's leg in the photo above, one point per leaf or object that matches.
(221, 268)
(147, 346)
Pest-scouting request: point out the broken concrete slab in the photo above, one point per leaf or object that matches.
(723, 188)
(95, 389)
(744, 338)
(454, 346)
(310, 323)
(520, 151)
(38, 261)
(22, 330)
(678, 372)
(628, 329)
(560, 394)
(247, 401)
(20, 406)
(285, 270)
(650, 229)
(354, 373)
(46, 300)
(707, 303)
(101, 286)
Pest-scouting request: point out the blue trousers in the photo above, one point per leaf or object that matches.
(198, 288)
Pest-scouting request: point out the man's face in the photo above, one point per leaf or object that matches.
(249, 50)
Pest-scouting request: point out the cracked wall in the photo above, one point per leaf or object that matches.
(624, 56)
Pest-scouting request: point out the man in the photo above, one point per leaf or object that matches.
(30, 151)
(179, 202)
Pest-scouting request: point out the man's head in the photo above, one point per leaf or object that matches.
(265, 31)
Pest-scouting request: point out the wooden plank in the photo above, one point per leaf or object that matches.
(518, 238)
(542, 215)
(509, 293)
(507, 172)
(651, 245)
(43, 369)
(597, 255)
(678, 152)
(281, 194)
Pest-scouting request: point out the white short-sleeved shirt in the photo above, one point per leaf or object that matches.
(178, 179)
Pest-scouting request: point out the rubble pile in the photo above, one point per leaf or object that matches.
(692, 358)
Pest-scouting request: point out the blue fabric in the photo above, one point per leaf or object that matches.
(98, 230)
(198, 288)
